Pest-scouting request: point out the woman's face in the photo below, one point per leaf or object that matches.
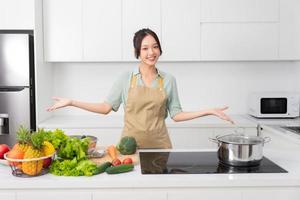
(150, 52)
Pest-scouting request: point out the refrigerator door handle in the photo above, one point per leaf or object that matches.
(12, 88)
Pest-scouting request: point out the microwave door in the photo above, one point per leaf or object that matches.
(14, 59)
(15, 108)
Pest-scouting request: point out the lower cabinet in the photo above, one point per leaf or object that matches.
(130, 195)
(204, 194)
(272, 194)
(54, 195)
(7, 196)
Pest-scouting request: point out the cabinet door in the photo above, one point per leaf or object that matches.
(138, 14)
(181, 30)
(239, 11)
(130, 195)
(7, 195)
(62, 30)
(102, 30)
(239, 41)
(16, 14)
(204, 194)
(46, 195)
(289, 30)
(192, 138)
(272, 194)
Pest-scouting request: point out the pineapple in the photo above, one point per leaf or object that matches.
(34, 151)
(48, 148)
(23, 138)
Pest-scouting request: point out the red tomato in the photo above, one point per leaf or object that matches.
(3, 149)
(127, 161)
(116, 162)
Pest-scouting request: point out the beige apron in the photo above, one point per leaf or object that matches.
(145, 115)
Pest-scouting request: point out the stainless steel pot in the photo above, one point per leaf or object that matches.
(240, 150)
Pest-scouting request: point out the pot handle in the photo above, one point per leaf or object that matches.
(215, 140)
(267, 139)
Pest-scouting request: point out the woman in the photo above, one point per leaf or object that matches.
(148, 94)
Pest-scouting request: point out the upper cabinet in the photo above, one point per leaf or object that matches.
(138, 14)
(239, 30)
(197, 30)
(254, 41)
(289, 30)
(16, 14)
(239, 11)
(76, 30)
(62, 30)
(102, 30)
(180, 30)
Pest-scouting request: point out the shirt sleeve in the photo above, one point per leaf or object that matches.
(173, 103)
(114, 97)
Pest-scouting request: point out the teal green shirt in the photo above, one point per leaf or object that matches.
(119, 91)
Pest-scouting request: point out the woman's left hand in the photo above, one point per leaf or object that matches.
(219, 112)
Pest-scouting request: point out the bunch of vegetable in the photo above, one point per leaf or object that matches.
(127, 145)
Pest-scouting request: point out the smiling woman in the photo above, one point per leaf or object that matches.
(148, 95)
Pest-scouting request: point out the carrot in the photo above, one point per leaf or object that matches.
(112, 151)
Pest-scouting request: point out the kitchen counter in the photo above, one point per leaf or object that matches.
(282, 150)
(287, 156)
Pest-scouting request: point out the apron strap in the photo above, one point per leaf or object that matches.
(160, 83)
(133, 81)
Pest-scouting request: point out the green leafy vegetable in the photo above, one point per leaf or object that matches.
(73, 168)
(74, 147)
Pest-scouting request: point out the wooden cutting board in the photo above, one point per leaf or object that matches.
(107, 158)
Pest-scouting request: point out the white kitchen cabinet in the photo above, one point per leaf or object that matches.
(63, 30)
(271, 194)
(180, 30)
(102, 33)
(239, 11)
(138, 14)
(239, 41)
(7, 195)
(289, 30)
(16, 14)
(130, 195)
(47, 195)
(204, 194)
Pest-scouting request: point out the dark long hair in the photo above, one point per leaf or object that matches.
(138, 38)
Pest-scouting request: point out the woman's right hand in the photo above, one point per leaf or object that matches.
(60, 103)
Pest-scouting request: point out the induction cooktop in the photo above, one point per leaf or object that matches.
(197, 163)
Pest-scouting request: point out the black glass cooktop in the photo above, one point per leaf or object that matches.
(197, 163)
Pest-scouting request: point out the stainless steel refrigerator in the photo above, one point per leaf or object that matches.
(17, 91)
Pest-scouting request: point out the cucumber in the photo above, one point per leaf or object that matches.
(101, 168)
(119, 169)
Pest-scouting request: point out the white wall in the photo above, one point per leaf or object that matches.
(200, 84)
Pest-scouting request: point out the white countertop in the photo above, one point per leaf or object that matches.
(281, 151)
(116, 121)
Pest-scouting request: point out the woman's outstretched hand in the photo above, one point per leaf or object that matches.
(60, 103)
(219, 112)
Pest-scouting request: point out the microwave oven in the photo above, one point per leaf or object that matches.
(274, 105)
